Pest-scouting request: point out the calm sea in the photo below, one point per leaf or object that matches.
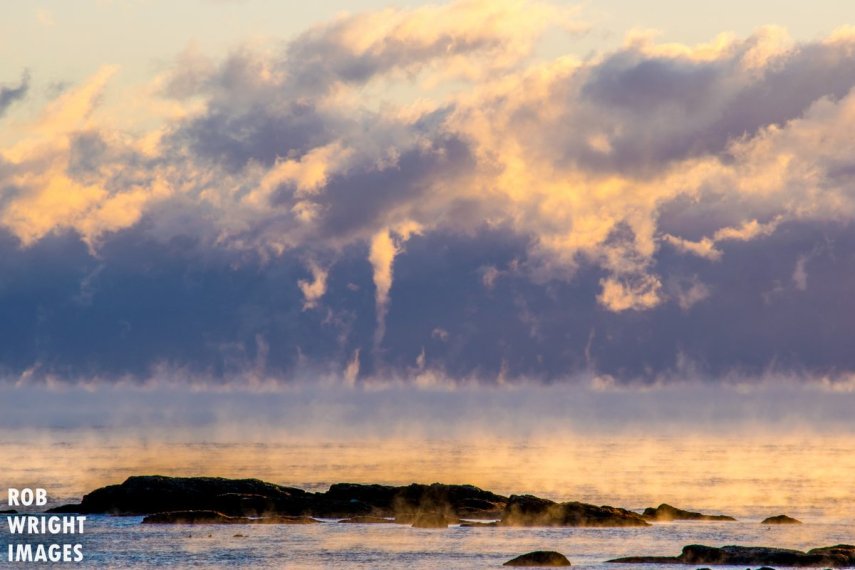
(750, 478)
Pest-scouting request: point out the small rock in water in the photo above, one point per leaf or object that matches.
(781, 519)
(542, 558)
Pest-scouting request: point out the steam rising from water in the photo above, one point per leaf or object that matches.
(748, 453)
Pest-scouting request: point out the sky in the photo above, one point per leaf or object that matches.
(246, 195)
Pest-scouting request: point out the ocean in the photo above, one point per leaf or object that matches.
(749, 478)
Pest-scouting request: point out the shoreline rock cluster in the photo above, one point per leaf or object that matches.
(231, 501)
(839, 556)
(213, 500)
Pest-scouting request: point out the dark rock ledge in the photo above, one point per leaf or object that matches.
(539, 558)
(781, 519)
(840, 556)
(425, 506)
(528, 510)
(665, 512)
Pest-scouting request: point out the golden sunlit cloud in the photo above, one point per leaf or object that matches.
(378, 130)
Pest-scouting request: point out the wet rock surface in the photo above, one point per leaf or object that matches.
(539, 558)
(666, 512)
(143, 495)
(367, 520)
(213, 517)
(839, 556)
(528, 510)
(781, 519)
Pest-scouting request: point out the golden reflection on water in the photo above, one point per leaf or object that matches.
(808, 477)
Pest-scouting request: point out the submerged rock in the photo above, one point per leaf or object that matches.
(665, 512)
(543, 558)
(781, 519)
(367, 520)
(213, 517)
(840, 556)
(528, 510)
(190, 517)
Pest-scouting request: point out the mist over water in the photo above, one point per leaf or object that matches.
(746, 453)
(748, 477)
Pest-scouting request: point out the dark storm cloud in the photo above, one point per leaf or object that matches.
(756, 321)
(144, 308)
(143, 303)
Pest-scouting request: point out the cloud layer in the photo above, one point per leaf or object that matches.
(414, 195)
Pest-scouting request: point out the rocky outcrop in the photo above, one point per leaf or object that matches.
(453, 500)
(155, 494)
(665, 513)
(425, 506)
(213, 517)
(541, 558)
(840, 556)
(146, 495)
(781, 519)
(527, 510)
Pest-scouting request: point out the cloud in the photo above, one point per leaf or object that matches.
(313, 290)
(438, 193)
(463, 37)
(619, 296)
(385, 245)
(706, 247)
(69, 172)
(10, 95)
(800, 275)
(689, 292)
